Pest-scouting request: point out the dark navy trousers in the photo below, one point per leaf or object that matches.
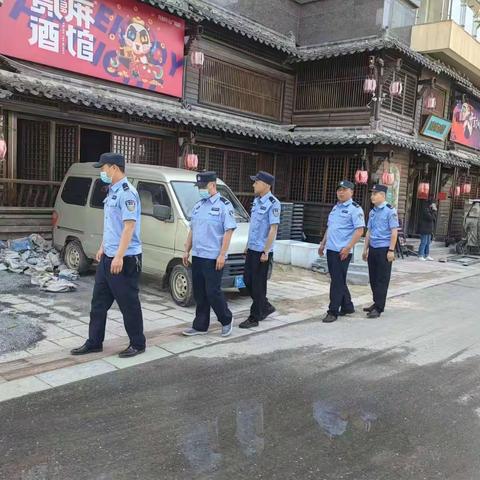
(255, 277)
(339, 294)
(123, 288)
(207, 291)
(379, 271)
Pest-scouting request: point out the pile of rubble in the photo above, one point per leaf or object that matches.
(36, 257)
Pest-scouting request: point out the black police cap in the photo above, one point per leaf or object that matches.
(205, 177)
(345, 184)
(264, 177)
(379, 188)
(110, 158)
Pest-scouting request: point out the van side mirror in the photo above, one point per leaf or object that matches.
(162, 212)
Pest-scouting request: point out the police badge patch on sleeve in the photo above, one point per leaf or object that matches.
(231, 212)
(276, 212)
(130, 204)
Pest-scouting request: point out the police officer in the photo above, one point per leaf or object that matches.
(379, 248)
(119, 260)
(211, 229)
(263, 231)
(345, 227)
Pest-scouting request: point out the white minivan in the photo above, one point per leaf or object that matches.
(167, 197)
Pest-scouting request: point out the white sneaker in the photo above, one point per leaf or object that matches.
(422, 259)
(430, 259)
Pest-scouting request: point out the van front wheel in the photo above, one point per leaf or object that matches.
(181, 287)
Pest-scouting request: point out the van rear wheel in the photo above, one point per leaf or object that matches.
(181, 286)
(75, 258)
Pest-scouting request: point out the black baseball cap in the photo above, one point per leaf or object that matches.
(379, 188)
(110, 158)
(345, 184)
(264, 177)
(205, 177)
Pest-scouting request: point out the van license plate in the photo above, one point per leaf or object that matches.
(239, 283)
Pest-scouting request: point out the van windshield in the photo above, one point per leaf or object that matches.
(188, 196)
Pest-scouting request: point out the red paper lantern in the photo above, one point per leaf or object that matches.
(423, 191)
(388, 178)
(431, 103)
(197, 59)
(191, 161)
(466, 188)
(3, 149)
(396, 89)
(457, 191)
(370, 86)
(361, 177)
(442, 196)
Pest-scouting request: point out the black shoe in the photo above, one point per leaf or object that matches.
(271, 309)
(373, 314)
(131, 352)
(84, 349)
(370, 308)
(329, 318)
(249, 323)
(342, 313)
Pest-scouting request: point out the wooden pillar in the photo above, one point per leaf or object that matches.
(12, 145)
(51, 151)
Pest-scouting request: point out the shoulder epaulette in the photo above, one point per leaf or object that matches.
(272, 199)
(125, 186)
(389, 206)
(224, 200)
(355, 204)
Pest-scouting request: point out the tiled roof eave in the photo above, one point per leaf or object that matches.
(135, 103)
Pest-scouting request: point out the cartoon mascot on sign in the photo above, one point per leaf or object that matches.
(133, 59)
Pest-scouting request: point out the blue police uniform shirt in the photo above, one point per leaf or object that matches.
(343, 220)
(211, 218)
(381, 220)
(122, 203)
(265, 212)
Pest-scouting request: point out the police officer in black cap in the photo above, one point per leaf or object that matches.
(344, 229)
(119, 260)
(263, 231)
(379, 248)
(211, 229)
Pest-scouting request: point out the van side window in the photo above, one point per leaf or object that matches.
(100, 190)
(152, 194)
(75, 191)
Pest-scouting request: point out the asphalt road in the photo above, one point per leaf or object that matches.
(393, 398)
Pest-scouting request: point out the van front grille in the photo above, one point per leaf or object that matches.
(235, 265)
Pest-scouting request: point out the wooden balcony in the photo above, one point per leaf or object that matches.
(28, 193)
(26, 207)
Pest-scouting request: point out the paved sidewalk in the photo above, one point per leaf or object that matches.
(61, 321)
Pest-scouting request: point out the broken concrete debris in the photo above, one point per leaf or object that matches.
(34, 256)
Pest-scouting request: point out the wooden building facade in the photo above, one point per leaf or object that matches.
(298, 112)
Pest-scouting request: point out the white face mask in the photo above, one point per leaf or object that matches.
(203, 192)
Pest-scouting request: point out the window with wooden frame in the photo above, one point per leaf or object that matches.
(404, 105)
(138, 149)
(331, 84)
(66, 149)
(237, 88)
(33, 149)
(315, 178)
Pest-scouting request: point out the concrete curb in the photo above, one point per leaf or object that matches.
(70, 374)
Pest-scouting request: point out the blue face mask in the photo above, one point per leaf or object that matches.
(105, 178)
(203, 193)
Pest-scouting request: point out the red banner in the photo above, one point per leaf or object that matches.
(126, 42)
(466, 124)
